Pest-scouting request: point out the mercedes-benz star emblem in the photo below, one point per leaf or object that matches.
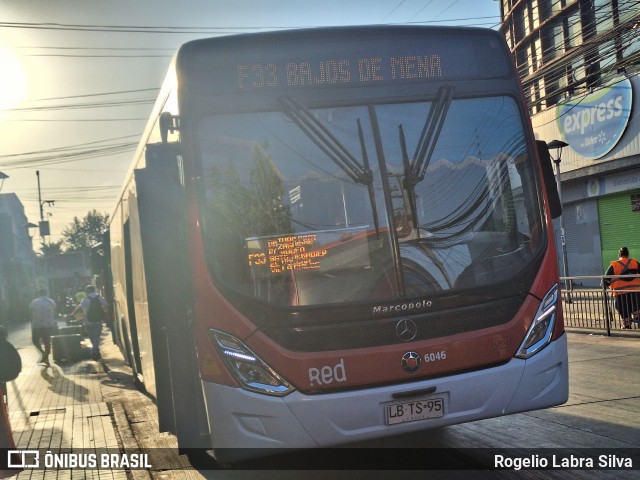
(406, 330)
(410, 362)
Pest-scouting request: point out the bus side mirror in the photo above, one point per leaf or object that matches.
(164, 161)
(168, 124)
(546, 165)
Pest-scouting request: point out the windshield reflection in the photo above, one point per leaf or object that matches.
(317, 206)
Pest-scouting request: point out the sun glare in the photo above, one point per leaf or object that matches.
(13, 80)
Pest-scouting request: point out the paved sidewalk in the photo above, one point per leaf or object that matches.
(86, 406)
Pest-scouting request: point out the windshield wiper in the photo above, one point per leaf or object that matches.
(367, 169)
(334, 149)
(415, 169)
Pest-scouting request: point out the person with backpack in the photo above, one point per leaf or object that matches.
(626, 289)
(95, 310)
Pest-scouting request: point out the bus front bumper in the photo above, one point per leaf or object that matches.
(245, 425)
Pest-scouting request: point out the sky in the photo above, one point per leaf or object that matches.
(78, 79)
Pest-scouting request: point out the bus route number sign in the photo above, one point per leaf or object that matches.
(341, 71)
(411, 411)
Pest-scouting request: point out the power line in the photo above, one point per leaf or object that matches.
(80, 106)
(75, 120)
(181, 29)
(393, 10)
(420, 11)
(69, 55)
(68, 147)
(96, 94)
(598, 48)
(52, 158)
(96, 48)
(130, 28)
(447, 8)
(123, 52)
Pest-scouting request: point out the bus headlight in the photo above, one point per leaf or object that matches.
(541, 330)
(252, 373)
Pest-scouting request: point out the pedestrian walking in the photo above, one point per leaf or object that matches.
(43, 324)
(626, 290)
(94, 307)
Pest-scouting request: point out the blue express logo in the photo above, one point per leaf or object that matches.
(593, 124)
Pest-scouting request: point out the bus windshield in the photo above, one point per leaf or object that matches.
(350, 203)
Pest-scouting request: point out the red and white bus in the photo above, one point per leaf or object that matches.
(338, 234)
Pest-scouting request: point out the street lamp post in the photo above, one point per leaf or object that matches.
(559, 145)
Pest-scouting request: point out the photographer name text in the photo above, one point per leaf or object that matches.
(609, 461)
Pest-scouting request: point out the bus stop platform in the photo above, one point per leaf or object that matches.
(79, 407)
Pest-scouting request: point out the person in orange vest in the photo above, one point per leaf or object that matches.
(626, 290)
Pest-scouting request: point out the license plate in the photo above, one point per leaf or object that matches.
(413, 410)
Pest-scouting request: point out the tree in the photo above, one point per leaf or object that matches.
(53, 248)
(84, 234)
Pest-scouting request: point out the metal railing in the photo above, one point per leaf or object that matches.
(594, 307)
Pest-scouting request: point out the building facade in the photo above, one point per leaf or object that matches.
(579, 62)
(17, 261)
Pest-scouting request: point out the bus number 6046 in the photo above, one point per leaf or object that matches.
(435, 356)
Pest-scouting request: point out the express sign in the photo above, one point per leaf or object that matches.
(592, 125)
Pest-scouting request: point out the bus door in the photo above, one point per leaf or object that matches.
(164, 239)
(129, 328)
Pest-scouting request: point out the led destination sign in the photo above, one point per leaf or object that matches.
(339, 71)
(286, 253)
(321, 250)
(338, 58)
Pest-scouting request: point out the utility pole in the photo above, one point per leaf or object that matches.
(44, 225)
(40, 197)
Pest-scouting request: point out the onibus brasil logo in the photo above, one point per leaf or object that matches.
(69, 460)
